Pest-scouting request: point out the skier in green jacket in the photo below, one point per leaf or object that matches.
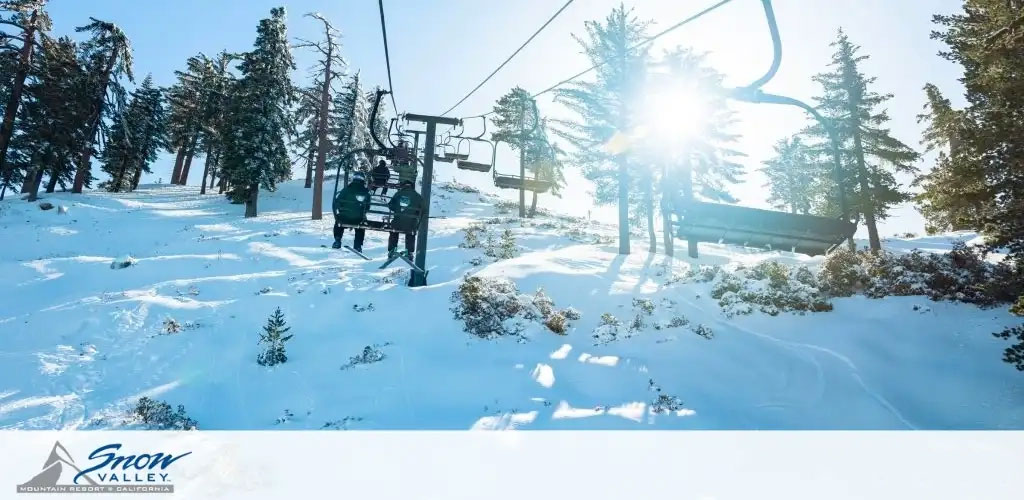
(406, 206)
(350, 207)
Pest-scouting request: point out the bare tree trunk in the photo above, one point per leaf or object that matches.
(33, 189)
(666, 216)
(183, 180)
(533, 203)
(687, 178)
(321, 133)
(250, 203)
(223, 185)
(52, 184)
(179, 160)
(18, 86)
(310, 158)
(623, 206)
(866, 195)
(119, 178)
(82, 174)
(136, 177)
(206, 170)
(522, 178)
(652, 236)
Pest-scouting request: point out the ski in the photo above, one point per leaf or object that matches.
(353, 250)
(411, 263)
(389, 261)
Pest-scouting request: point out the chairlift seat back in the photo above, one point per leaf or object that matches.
(516, 182)
(807, 234)
(474, 166)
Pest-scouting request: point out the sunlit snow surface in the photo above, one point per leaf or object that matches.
(79, 341)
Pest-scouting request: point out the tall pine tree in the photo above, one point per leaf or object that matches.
(256, 153)
(793, 174)
(606, 108)
(136, 139)
(954, 194)
(108, 56)
(349, 121)
(871, 155)
(31, 22)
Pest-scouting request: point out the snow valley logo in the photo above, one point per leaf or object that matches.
(107, 472)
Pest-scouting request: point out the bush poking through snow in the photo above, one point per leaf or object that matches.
(771, 287)
(492, 307)
(272, 339)
(474, 236)
(171, 326)
(607, 330)
(504, 248)
(704, 331)
(370, 354)
(123, 262)
(665, 403)
(488, 307)
(962, 274)
(158, 415)
(1015, 353)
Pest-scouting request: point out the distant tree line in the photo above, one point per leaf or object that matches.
(66, 103)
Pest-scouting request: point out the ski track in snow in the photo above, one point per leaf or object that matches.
(81, 342)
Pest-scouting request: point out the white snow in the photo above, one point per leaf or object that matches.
(80, 342)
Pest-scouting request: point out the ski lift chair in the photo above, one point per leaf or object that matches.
(751, 227)
(458, 154)
(465, 164)
(517, 182)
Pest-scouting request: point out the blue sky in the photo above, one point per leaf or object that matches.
(441, 49)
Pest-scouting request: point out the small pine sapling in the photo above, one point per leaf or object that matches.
(273, 339)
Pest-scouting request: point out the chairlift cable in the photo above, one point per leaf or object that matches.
(646, 41)
(502, 65)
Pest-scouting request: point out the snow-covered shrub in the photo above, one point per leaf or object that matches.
(158, 415)
(504, 248)
(358, 308)
(607, 330)
(493, 307)
(841, 274)
(704, 331)
(664, 403)
(703, 274)
(962, 274)
(473, 237)
(272, 339)
(644, 305)
(123, 262)
(456, 186)
(557, 322)
(170, 326)
(488, 306)
(370, 354)
(770, 287)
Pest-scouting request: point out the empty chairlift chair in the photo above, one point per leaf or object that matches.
(752, 227)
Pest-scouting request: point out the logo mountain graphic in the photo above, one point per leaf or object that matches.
(58, 470)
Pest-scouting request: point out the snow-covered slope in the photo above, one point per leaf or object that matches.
(80, 341)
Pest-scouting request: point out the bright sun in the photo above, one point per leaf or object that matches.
(674, 114)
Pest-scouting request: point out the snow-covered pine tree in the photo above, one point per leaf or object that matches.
(543, 158)
(136, 139)
(256, 153)
(605, 108)
(272, 339)
(33, 22)
(873, 156)
(50, 134)
(517, 123)
(306, 119)
(108, 56)
(349, 125)
(793, 174)
(954, 195)
(217, 85)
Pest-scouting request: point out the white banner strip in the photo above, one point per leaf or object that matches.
(511, 465)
